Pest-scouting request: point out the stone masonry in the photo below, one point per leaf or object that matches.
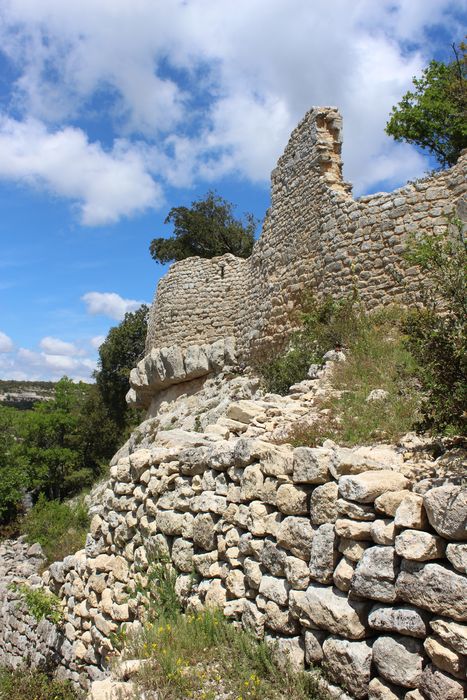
(316, 239)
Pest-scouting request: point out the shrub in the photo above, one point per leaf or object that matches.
(26, 683)
(325, 325)
(58, 527)
(41, 604)
(436, 332)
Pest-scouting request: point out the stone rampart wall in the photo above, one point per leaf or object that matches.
(316, 239)
(335, 554)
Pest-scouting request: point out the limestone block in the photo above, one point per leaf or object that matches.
(354, 511)
(314, 646)
(207, 502)
(323, 555)
(297, 573)
(170, 523)
(253, 573)
(275, 589)
(399, 660)
(349, 663)
(383, 531)
(367, 486)
(216, 595)
(375, 575)
(343, 574)
(435, 588)
(139, 462)
(457, 555)
(253, 619)
(352, 549)
(436, 685)
(195, 362)
(446, 508)
(235, 583)
(251, 483)
(204, 531)
(411, 513)
(451, 632)
(182, 555)
(244, 411)
(289, 652)
(445, 658)
(323, 504)
(419, 546)
(353, 529)
(273, 558)
(296, 535)
(402, 619)
(280, 620)
(363, 459)
(311, 465)
(389, 502)
(259, 521)
(291, 500)
(381, 690)
(330, 609)
(172, 360)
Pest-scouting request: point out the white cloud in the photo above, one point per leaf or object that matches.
(97, 341)
(28, 364)
(207, 88)
(55, 346)
(6, 343)
(106, 185)
(109, 304)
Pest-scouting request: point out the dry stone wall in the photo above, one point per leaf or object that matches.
(344, 558)
(316, 238)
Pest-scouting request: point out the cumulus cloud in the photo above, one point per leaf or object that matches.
(6, 343)
(55, 346)
(109, 304)
(199, 90)
(26, 364)
(106, 185)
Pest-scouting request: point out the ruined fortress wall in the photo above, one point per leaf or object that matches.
(316, 239)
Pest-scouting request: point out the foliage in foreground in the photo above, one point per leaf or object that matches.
(206, 229)
(377, 358)
(195, 655)
(58, 527)
(35, 685)
(437, 333)
(433, 115)
(41, 604)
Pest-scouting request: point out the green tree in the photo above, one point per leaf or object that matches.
(13, 471)
(206, 229)
(118, 354)
(433, 115)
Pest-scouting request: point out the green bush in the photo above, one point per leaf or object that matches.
(41, 604)
(58, 527)
(23, 683)
(436, 332)
(325, 325)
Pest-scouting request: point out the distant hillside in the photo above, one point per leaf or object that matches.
(23, 395)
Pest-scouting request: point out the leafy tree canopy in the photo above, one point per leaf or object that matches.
(118, 354)
(207, 229)
(433, 115)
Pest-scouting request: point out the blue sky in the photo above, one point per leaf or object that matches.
(112, 112)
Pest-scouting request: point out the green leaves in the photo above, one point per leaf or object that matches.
(433, 115)
(207, 229)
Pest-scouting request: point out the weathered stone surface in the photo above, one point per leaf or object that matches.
(383, 532)
(351, 549)
(273, 558)
(436, 685)
(204, 531)
(323, 555)
(451, 632)
(182, 555)
(380, 690)
(290, 652)
(323, 504)
(235, 583)
(291, 500)
(253, 619)
(445, 658)
(457, 555)
(389, 502)
(349, 663)
(275, 589)
(399, 660)
(343, 574)
(253, 573)
(354, 511)
(419, 546)
(356, 460)
(435, 588)
(375, 575)
(251, 483)
(311, 465)
(404, 620)
(446, 507)
(314, 646)
(411, 513)
(329, 609)
(367, 486)
(279, 620)
(296, 535)
(353, 530)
